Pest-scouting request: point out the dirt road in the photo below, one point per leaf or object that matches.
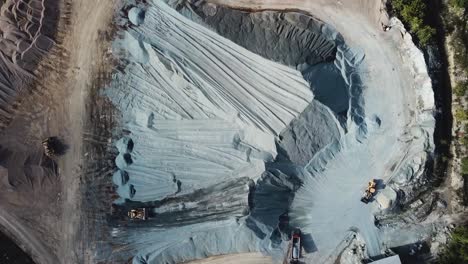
(85, 44)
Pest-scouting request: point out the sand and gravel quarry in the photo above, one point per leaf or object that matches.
(212, 131)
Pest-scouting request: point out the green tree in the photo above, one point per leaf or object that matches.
(464, 141)
(456, 251)
(413, 13)
(414, 8)
(460, 114)
(425, 34)
(460, 88)
(459, 3)
(464, 166)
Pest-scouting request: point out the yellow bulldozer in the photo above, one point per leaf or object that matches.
(138, 214)
(369, 192)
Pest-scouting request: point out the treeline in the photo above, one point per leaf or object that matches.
(456, 251)
(455, 19)
(456, 24)
(413, 14)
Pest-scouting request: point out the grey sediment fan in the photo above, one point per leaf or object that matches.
(30, 32)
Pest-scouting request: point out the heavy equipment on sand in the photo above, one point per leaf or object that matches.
(138, 214)
(53, 147)
(49, 146)
(369, 192)
(295, 248)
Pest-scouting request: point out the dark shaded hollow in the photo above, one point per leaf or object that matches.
(10, 253)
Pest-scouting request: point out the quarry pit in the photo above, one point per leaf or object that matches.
(232, 123)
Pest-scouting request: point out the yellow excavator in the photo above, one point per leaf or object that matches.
(369, 192)
(138, 214)
(48, 148)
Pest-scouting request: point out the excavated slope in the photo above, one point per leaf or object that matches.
(263, 114)
(27, 30)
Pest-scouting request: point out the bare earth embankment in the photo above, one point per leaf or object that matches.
(40, 202)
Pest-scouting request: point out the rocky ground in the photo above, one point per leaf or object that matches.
(223, 119)
(356, 142)
(41, 203)
(456, 182)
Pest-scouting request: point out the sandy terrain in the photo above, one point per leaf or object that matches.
(56, 108)
(86, 46)
(27, 33)
(385, 139)
(247, 258)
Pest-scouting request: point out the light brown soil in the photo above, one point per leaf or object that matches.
(40, 206)
(244, 258)
(87, 46)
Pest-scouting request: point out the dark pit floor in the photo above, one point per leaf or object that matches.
(10, 253)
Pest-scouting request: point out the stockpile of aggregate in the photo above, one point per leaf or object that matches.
(263, 114)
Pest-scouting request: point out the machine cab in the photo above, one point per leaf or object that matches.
(295, 246)
(138, 214)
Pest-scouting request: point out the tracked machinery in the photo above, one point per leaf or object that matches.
(295, 247)
(53, 147)
(369, 193)
(138, 214)
(48, 145)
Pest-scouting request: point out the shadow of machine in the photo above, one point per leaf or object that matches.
(53, 146)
